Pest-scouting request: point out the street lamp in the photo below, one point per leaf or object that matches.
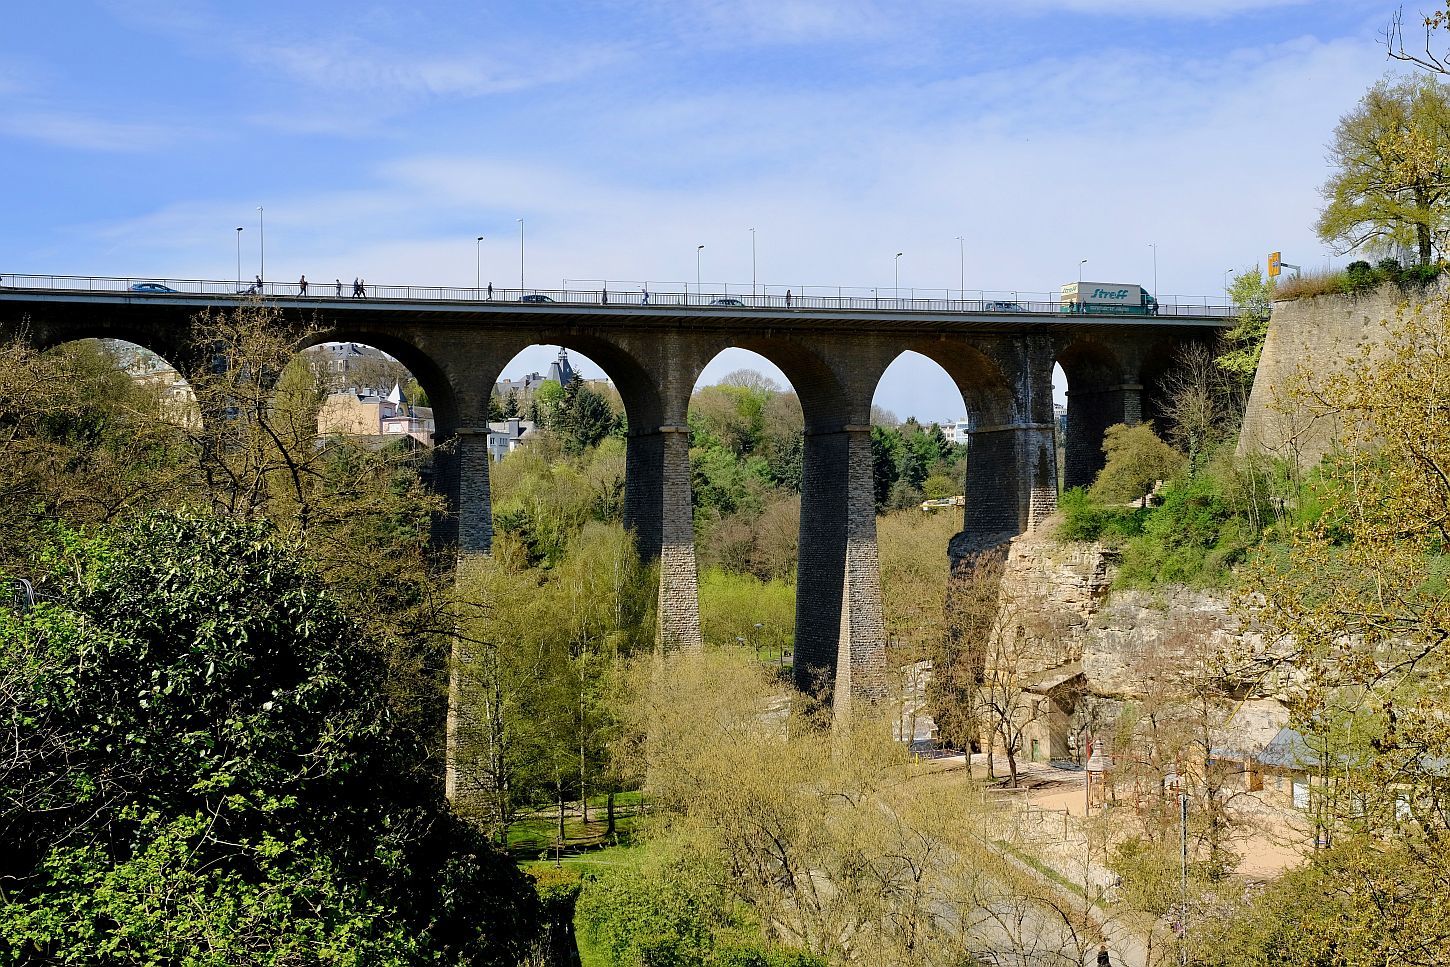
(1154, 247)
(477, 265)
(262, 241)
(1225, 280)
(521, 255)
(698, 250)
(897, 263)
(752, 263)
(239, 258)
(1079, 271)
(962, 253)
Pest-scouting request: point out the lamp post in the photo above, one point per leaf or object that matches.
(1225, 280)
(477, 265)
(962, 254)
(698, 250)
(1154, 247)
(239, 258)
(1079, 271)
(752, 264)
(1183, 875)
(897, 263)
(262, 241)
(521, 256)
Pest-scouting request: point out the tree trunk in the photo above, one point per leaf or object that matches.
(559, 785)
(1423, 233)
(609, 814)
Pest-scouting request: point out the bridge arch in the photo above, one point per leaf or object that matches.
(437, 383)
(746, 524)
(823, 530)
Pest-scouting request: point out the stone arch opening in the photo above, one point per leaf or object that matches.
(1097, 394)
(369, 394)
(825, 416)
(990, 489)
(747, 456)
(343, 361)
(920, 422)
(163, 385)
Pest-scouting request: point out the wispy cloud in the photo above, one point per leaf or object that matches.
(774, 21)
(1174, 9)
(84, 133)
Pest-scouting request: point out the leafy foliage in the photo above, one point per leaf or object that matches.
(230, 777)
(1390, 157)
(1137, 460)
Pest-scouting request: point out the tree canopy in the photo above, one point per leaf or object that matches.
(206, 767)
(1391, 177)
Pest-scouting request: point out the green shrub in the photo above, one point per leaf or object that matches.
(646, 922)
(1195, 536)
(1085, 520)
(210, 774)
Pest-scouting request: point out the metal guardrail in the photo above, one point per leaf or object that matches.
(602, 294)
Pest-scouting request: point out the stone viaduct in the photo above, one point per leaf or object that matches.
(834, 358)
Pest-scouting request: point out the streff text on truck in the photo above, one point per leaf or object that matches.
(1108, 298)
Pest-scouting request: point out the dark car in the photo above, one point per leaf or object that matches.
(151, 287)
(535, 297)
(726, 302)
(1004, 307)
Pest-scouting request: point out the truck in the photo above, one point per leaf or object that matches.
(1108, 298)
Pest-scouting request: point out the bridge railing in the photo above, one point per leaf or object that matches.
(598, 296)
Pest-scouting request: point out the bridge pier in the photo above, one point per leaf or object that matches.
(861, 668)
(470, 462)
(820, 578)
(658, 511)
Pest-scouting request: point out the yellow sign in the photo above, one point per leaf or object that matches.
(1273, 264)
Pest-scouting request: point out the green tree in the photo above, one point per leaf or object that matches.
(1253, 293)
(1137, 460)
(211, 770)
(1391, 160)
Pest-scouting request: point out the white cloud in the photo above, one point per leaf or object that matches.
(714, 22)
(84, 133)
(1175, 9)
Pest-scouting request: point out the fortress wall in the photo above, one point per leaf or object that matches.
(1319, 335)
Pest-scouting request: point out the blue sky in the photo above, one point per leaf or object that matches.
(383, 138)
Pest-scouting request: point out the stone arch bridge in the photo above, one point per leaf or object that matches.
(1002, 362)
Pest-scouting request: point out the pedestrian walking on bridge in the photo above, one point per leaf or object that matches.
(302, 287)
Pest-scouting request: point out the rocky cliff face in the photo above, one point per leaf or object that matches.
(1129, 645)
(1129, 642)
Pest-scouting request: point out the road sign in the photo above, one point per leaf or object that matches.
(1274, 259)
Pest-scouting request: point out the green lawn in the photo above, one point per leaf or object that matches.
(534, 836)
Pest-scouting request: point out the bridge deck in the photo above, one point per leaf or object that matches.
(602, 305)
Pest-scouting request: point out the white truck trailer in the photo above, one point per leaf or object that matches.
(1108, 298)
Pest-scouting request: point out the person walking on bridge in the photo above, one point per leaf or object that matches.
(1103, 960)
(339, 288)
(644, 301)
(490, 292)
(787, 298)
(302, 287)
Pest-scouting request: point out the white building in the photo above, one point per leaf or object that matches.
(506, 436)
(955, 430)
